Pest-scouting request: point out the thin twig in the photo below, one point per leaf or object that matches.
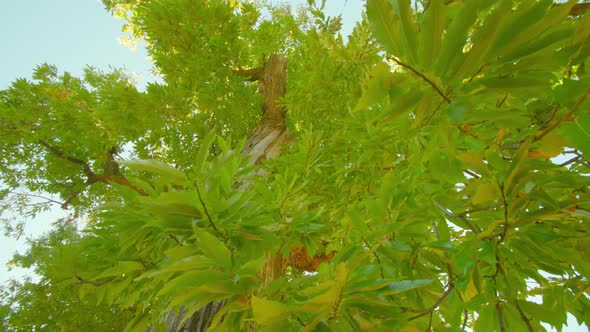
(571, 161)
(475, 175)
(435, 231)
(173, 237)
(450, 287)
(500, 317)
(35, 196)
(426, 7)
(426, 79)
(433, 113)
(483, 208)
(526, 320)
(465, 318)
(505, 203)
(378, 260)
(429, 322)
(563, 118)
(479, 71)
(501, 102)
(552, 115)
(95, 283)
(454, 215)
(204, 206)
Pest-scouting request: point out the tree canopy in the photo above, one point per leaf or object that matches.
(428, 172)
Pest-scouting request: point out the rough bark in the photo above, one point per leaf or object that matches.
(266, 140)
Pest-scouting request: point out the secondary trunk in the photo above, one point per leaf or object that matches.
(266, 140)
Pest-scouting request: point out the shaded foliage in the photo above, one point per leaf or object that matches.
(440, 156)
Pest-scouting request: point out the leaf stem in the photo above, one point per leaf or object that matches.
(505, 204)
(204, 206)
(422, 76)
(500, 317)
(526, 320)
(451, 214)
(450, 287)
(556, 124)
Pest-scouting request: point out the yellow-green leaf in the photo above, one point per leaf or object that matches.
(433, 25)
(266, 311)
(214, 249)
(120, 269)
(385, 24)
(486, 192)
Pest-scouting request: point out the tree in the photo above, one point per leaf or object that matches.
(429, 174)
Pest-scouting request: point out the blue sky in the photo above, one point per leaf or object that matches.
(72, 34)
(68, 33)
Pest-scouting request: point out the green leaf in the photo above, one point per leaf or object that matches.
(181, 203)
(366, 286)
(384, 23)
(379, 83)
(157, 167)
(214, 249)
(203, 152)
(205, 279)
(430, 36)
(486, 192)
(120, 269)
(456, 36)
(550, 14)
(540, 44)
(196, 262)
(487, 319)
(408, 29)
(525, 16)
(266, 311)
(481, 42)
(578, 133)
(403, 286)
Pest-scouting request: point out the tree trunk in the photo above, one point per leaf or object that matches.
(266, 140)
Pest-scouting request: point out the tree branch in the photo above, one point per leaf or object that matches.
(251, 75)
(426, 79)
(72, 196)
(62, 155)
(122, 180)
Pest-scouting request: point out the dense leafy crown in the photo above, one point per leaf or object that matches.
(438, 165)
